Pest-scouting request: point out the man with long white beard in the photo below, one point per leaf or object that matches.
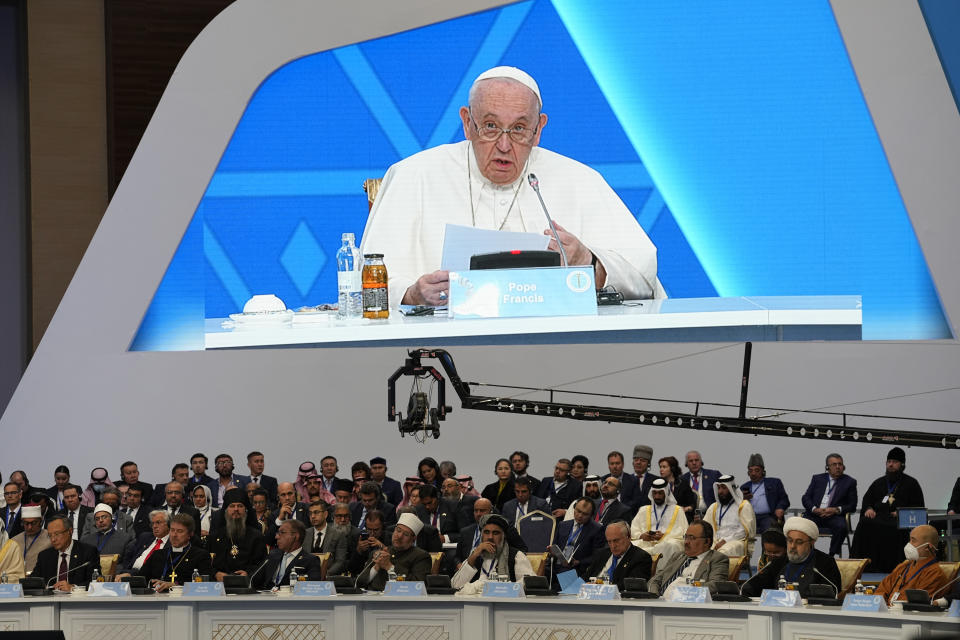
(491, 558)
(238, 548)
(801, 564)
(731, 518)
(659, 526)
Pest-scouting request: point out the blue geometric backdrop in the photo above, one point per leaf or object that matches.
(771, 178)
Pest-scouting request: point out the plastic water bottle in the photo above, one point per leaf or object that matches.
(196, 576)
(391, 574)
(350, 290)
(859, 588)
(3, 578)
(96, 576)
(294, 577)
(782, 584)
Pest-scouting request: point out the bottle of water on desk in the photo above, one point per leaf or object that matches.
(350, 298)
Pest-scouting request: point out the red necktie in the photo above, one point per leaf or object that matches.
(64, 571)
(603, 505)
(155, 547)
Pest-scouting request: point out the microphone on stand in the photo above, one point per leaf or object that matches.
(252, 575)
(535, 184)
(57, 577)
(836, 591)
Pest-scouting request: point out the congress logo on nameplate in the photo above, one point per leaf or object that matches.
(863, 602)
(11, 591)
(502, 590)
(688, 593)
(397, 588)
(598, 592)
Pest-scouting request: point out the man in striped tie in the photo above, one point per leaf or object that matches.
(698, 561)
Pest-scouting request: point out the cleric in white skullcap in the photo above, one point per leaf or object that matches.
(802, 564)
(482, 182)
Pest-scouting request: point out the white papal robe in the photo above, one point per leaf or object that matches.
(421, 194)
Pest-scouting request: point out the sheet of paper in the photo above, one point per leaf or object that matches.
(569, 581)
(460, 242)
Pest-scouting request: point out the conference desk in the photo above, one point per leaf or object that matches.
(671, 320)
(376, 617)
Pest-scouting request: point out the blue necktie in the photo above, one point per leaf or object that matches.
(613, 567)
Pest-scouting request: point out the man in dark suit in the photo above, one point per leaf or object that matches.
(438, 513)
(619, 559)
(520, 464)
(700, 480)
(130, 473)
(470, 534)
(370, 499)
(391, 489)
(360, 546)
(180, 473)
(451, 490)
(829, 498)
(628, 482)
(223, 465)
(289, 554)
(766, 495)
(560, 490)
(579, 538)
(402, 556)
(61, 479)
(173, 494)
(524, 503)
(75, 512)
(146, 544)
(610, 507)
(120, 521)
(642, 455)
(320, 538)
(67, 562)
(198, 474)
(256, 464)
(176, 562)
(698, 561)
(137, 511)
(10, 514)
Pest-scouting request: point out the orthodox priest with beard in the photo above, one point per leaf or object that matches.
(238, 548)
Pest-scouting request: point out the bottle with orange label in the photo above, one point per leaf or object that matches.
(375, 299)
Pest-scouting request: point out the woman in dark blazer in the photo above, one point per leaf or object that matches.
(500, 491)
(686, 498)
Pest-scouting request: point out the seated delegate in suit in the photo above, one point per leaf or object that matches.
(138, 511)
(319, 537)
(451, 491)
(238, 548)
(112, 498)
(500, 491)
(620, 559)
(176, 562)
(828, 498)
(920, 570)
(802, 564)
(642, 455)
(700, 480)
(560, 490)
(33, 539)
(610, 508)
(67, 562)
(699, 561)
(402, 556)
(106, 537)
(492, 557)
(289, 554)
(523, 503)
(628, 482)
(362, 546)
(438, 513)
(766, 495)
(370, 498)
(579, 538)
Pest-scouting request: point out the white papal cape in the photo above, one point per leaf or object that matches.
(424, 192)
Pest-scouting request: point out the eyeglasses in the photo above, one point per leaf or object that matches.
(490, 132)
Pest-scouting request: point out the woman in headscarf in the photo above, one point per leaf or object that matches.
(203, 501)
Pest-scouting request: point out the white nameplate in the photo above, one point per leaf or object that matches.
(598, 592)
(313, 588)
(688, 593)
(780, 598)
(863, 602)
(502, 589)
(203, 589)
(108, 589)
(397, 588)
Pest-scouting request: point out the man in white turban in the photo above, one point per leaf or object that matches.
(801, 565)
(483, 182)
(732, 519)
(659, 527)
(403, 556)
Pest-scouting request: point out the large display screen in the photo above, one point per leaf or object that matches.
(736, 134)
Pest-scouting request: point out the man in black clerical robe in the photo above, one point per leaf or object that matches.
(878, 535)
(238, 548)
(403, 557)
(177, 560)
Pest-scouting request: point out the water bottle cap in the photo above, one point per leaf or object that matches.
(348, 236)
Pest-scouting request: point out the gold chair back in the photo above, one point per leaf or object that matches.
(108, 565)
(850, 571)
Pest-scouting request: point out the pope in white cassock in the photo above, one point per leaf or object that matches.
(482, 182)
(659, 527)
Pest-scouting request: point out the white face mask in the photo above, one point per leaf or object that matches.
(911, 552)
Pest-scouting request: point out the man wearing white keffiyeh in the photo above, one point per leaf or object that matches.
(491, 558)
(658, 527)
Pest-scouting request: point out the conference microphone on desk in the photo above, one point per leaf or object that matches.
(256, 571)
(57, 577)
(535, 185)
(836, 591)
